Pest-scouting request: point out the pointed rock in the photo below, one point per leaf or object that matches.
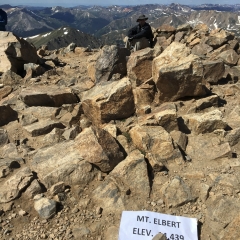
(14, 52)
(111, 60)
(105, 152)
(129, 176)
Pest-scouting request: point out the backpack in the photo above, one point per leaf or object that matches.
(3, 17)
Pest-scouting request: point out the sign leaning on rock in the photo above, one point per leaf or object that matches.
(144, 225)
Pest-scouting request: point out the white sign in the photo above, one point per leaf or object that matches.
(144, 225)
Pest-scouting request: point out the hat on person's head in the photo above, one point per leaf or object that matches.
(142, 17)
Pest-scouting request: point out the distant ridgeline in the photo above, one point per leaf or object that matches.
(110, 24)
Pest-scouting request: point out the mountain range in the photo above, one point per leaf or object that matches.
(109, 24)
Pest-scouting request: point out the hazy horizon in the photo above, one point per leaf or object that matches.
(72, 3)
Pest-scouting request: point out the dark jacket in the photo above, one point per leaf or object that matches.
(3, 20)
(141, 31)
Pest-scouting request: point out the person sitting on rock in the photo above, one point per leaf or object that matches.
(140, 36)
(3, 20)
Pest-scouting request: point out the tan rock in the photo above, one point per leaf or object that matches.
(47, 96)
(201, 49)
(200, 148)
(139, 66)
(5, 91)
(128, 177)
(177, 73)
(167, 119)
(133, 172)
(105, 152)
(194, 175)
(180, 138)
(91, 70)
(206, 122)
(144, 94)
(176, 193)
(230, 57)
(14, 52)
(158, 142)
(203, 103)
(111, 101)
(213, 70)
(64, 163)
(112, 129)
(232, 231)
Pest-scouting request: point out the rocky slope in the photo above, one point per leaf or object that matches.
(87, 133)
(62, 37)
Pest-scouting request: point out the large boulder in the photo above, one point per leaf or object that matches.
(206, 122)
(144, 95)
(15, 52)
(48, 96)
(178, 73)
(104, 150)
(111, 60)
(64, 163)
(139, 65)
(213, 70)
(176, 193)
(128, 177)
(109, 101)
(200, 148)
(230, 57)
(157, 144)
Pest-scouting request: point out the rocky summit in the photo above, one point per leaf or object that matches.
(86, 133)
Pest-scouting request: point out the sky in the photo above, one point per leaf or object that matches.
(72, 3)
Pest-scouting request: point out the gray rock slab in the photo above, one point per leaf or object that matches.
(45, 207)
(42, 127)
(47, 96)
(64, 163)
(13, 187)
(200, 148)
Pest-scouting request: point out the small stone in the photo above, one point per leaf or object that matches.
(75, 210)
(153, 204)
(22, 213)
(99, 210)
(43, 236)
(188, 159)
